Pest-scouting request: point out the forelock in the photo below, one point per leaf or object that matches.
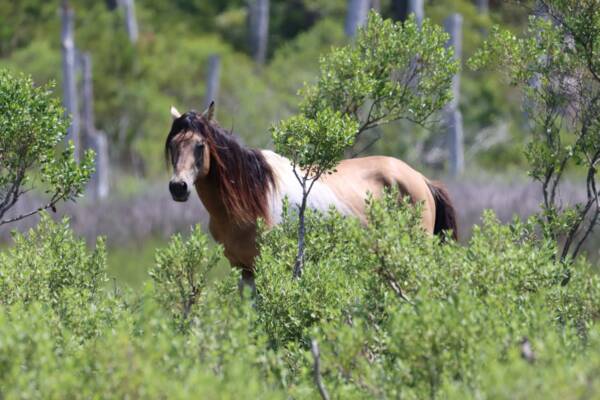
(191, 121)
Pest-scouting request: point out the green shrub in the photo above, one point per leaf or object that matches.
(51, 266)
(395, 313)
(181, 270)
(400, 315)
(32, 127)
(329, 288)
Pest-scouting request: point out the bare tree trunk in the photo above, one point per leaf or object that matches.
(356, 16)
(70, 75)
(88, 96)
(453, 25)
(258, 18)
(212, 79)
(417, 7)
(98, 185)
(130, 20)
(100, 182)
(314, 349)
(299, 264)
(483, 6)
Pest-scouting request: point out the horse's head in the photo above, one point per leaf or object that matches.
(188, 151)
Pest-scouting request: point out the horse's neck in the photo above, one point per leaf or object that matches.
(208, 192)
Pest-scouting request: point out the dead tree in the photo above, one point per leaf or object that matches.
(454, 123)
(417, 7)
(212, 79)
(258, 23)
(70, 75)
(483, 6)
(356, 15)
(98, 185)
(130, 20)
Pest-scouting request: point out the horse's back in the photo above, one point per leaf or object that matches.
(355, 178)
(348, 187)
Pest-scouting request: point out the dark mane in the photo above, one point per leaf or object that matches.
(242, 175)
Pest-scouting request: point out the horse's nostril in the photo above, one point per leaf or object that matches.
(178, 189)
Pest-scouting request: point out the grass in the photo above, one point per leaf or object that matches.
(129, 265)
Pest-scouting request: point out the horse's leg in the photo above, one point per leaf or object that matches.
(247, 281)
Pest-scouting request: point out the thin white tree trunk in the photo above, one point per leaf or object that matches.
(130, 20)
(70, 75)
(212, 79)
(87, 120)
(356, 15)
(453, 25)
(100, 183)
(483, 6)
(258, 16)
(98, 186)
(417, 7)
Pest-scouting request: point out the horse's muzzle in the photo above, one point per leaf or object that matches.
(179, 190)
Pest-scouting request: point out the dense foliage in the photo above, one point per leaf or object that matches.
(134, 84)
(393, 312)
(394, 71)
(556, 66)
(32, 127)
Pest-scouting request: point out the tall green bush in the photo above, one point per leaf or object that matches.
(488, 319)
(555, 65)
(181, 271)
(32, 127)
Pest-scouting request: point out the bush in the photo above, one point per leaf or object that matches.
(32, 128)
(394, 312)
(181, 271)
(51, 267)
(404, 316)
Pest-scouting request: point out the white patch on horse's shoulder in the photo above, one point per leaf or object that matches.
(320, 198)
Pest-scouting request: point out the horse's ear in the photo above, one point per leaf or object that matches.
(209, 113)
(174, 113)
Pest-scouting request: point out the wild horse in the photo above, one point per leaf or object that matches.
(238, 185)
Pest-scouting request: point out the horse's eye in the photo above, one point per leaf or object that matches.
(199, 152)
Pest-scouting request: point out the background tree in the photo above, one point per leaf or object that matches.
(356, 15)
(213, 73)
(560, 53)
(69, 78)
(258, 25)
(32, 126)
(392, 72)
(454, 119)
(94, 139)
(131, 24)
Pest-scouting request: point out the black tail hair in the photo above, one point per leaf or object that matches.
(445, 215)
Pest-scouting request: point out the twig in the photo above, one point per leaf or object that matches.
(527, 352)
(314, 349)
(51, 205)
(367, 147)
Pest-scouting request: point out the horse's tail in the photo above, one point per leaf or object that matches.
(445, 215)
